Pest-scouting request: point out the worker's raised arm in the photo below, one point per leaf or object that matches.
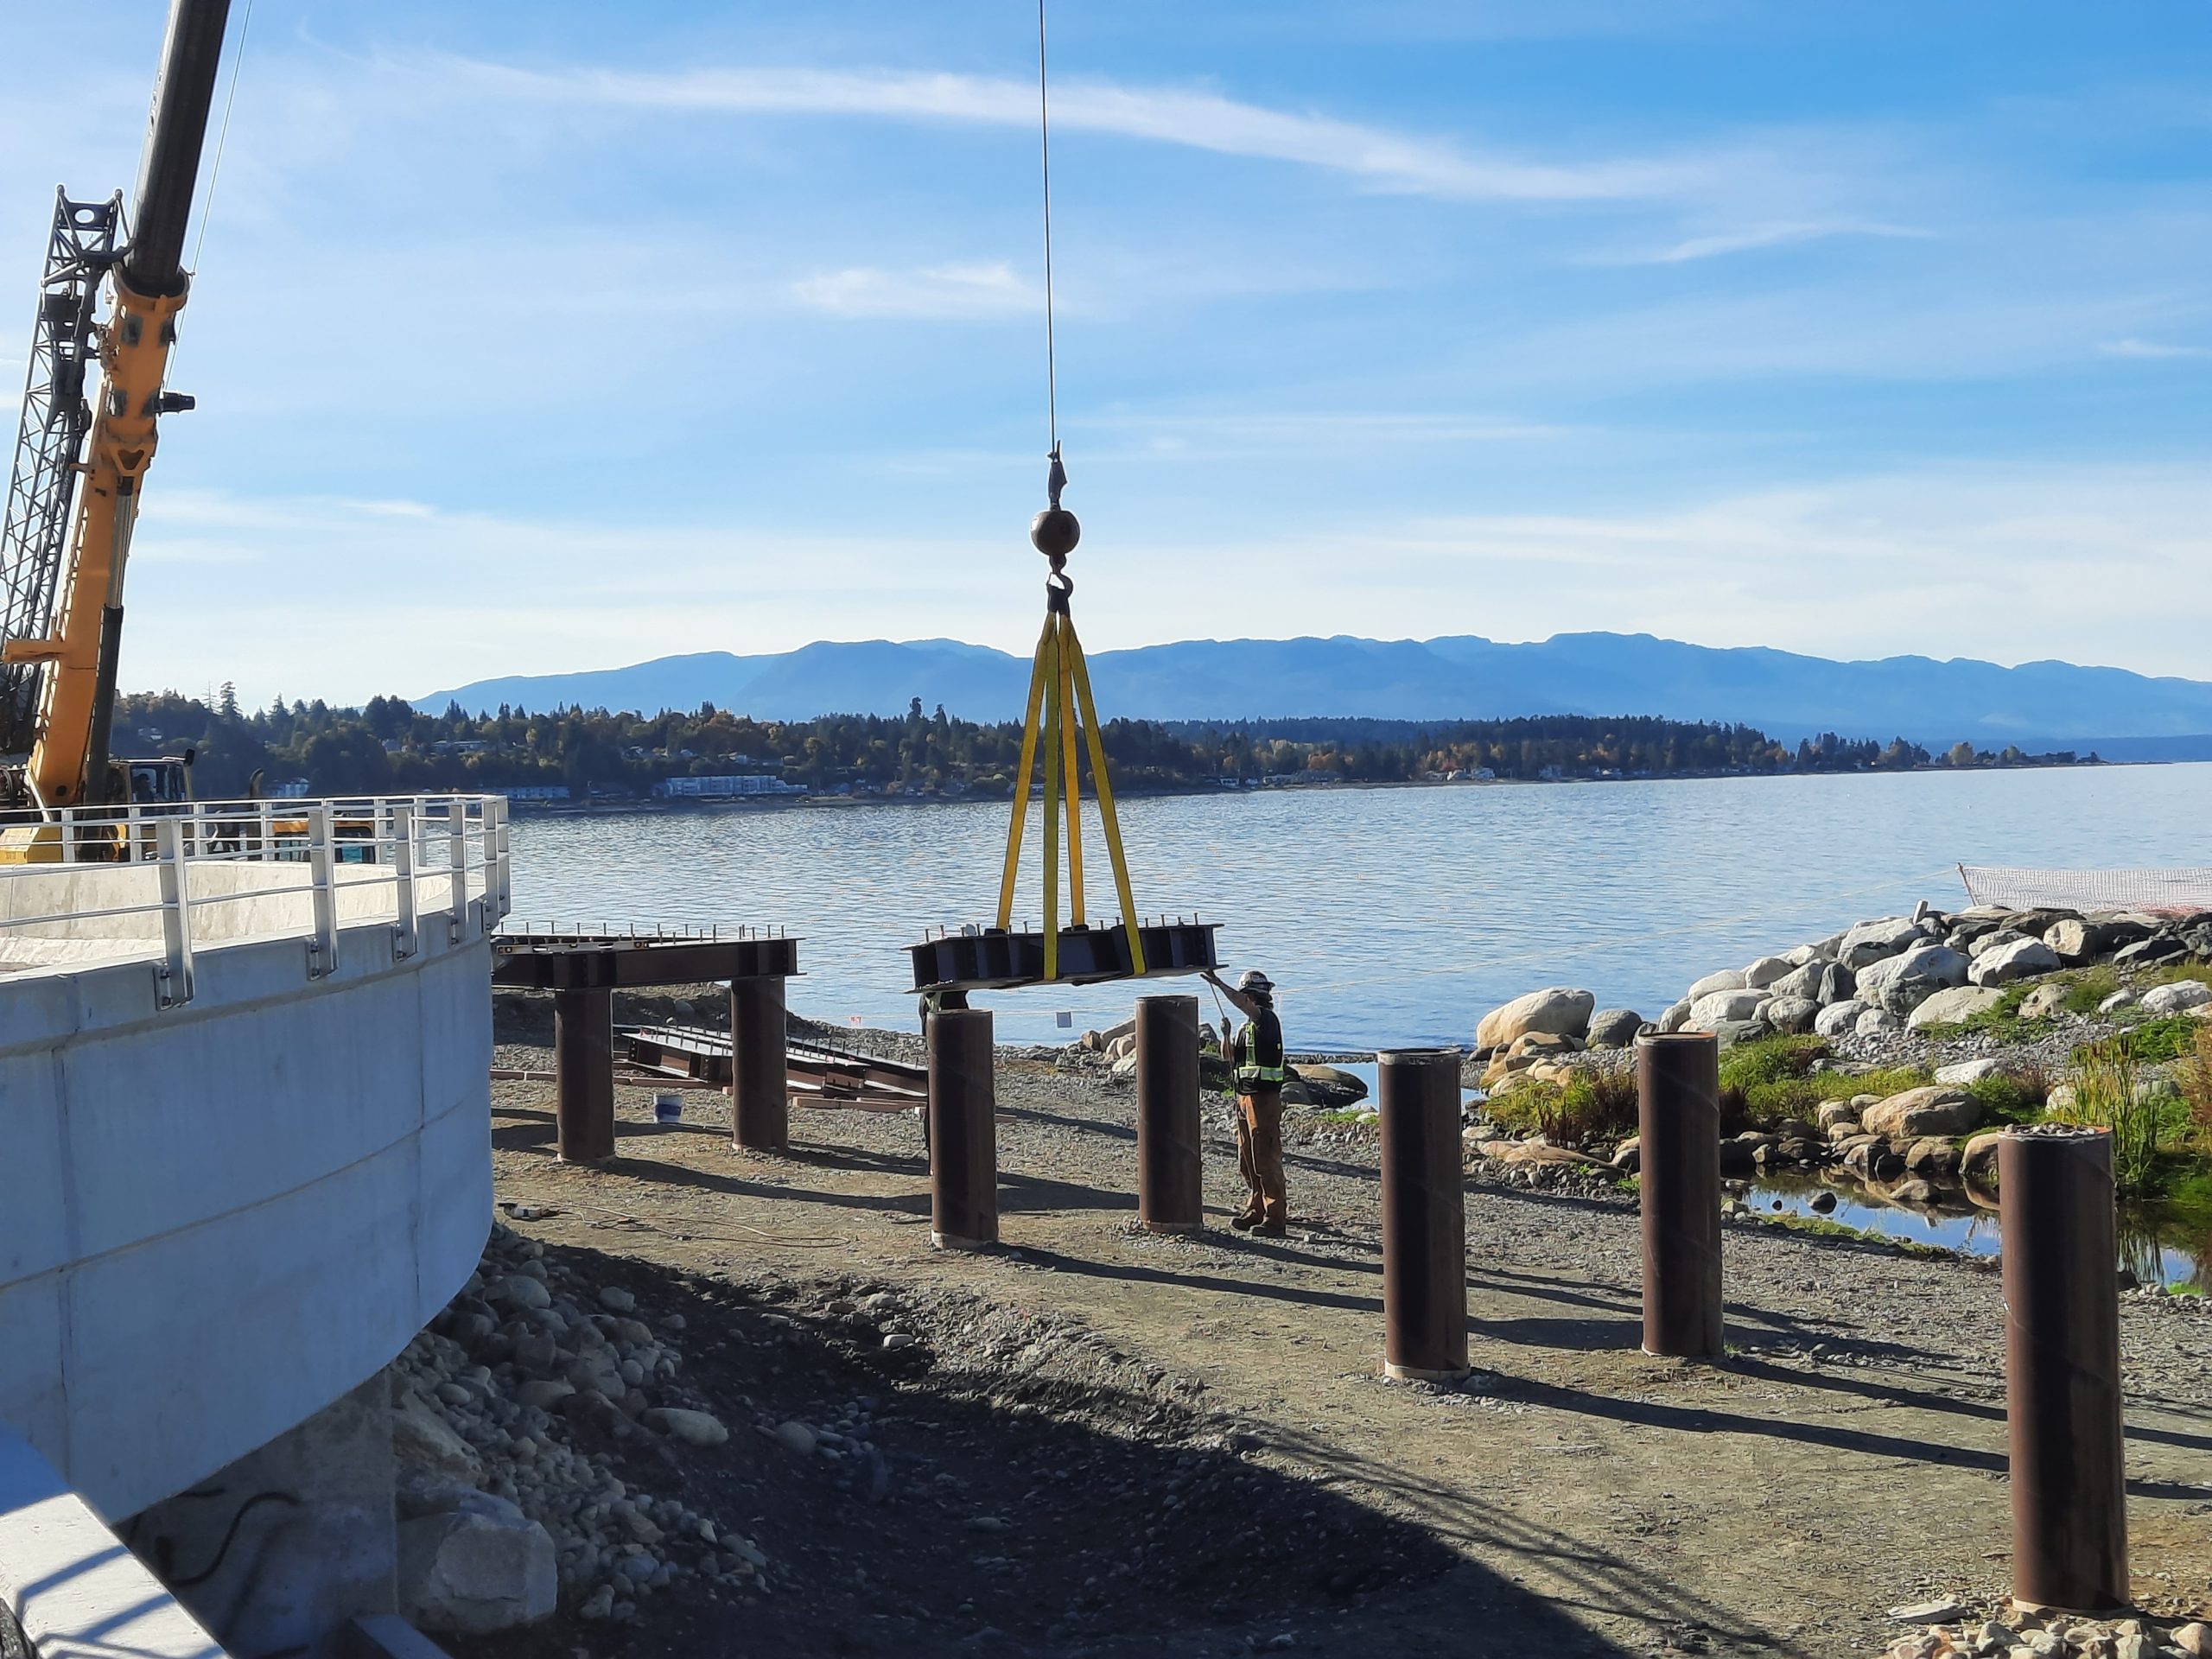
(1245, 1005)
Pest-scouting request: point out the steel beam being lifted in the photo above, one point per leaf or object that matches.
(997, 958)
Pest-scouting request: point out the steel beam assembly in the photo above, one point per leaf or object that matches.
(1678, 1123)
(998, 958)
(583, 1075)
(2062, 1368)
(1170, 1187)
(1424, 1215)
(963, 1132)
(584, 969)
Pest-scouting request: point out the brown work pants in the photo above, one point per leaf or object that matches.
(1259, 1154)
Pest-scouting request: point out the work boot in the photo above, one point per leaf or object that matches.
(1246, 1222)
(1271, 1230)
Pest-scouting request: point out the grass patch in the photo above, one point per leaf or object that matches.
(2147, 1126)
(1765, 1081)
(2013, 1096)
(1341, 1117)
(2151, 1041)
(1589, 1106)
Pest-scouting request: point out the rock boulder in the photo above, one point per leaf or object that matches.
(1932, 1110)
(2179, 997)
(1614, 1027)
(1902, 982)
(1949, 1008)
(484, 1566)
(1839, 1018)
(1728, 979)
(1711, 1011)
(2019, 958)
(1556, 1009)
(1795, 1015)
(1765, 971)
(1871, 942)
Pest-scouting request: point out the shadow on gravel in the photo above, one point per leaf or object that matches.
(1604, 1582)
(1895, 1393)
(1017, 1486)
(1701, 1420)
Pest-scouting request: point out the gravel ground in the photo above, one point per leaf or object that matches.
(1099, 1441)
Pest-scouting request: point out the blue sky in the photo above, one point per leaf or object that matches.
(549, 336)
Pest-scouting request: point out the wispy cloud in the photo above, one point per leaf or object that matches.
(1775, 234)
(1198, 119)
(940, 291)
(2151, 348)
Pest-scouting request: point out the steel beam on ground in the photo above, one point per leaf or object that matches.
(963, 1131)
(1424, 1215)
(759, 1076)
(1678, 1180)
(583, 1072)
(2062, 1368)
(1170, 1194)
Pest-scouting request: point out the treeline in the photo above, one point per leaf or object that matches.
(389, 747)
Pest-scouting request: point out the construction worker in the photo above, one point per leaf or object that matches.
(1257, 1054)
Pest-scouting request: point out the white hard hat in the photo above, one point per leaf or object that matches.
(1253, 981)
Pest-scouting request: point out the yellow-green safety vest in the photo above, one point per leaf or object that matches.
(1251, 1073)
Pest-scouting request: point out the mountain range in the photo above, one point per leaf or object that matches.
(2122, 715)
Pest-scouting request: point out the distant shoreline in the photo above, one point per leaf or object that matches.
(650, 805)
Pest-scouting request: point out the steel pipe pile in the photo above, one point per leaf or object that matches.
(1678, 1122)
(963, 1131)
(1170, 1187)
(2061, 1367)
(759, 1082)
(1424, 1215)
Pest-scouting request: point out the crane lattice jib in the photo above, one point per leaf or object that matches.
(49, 444)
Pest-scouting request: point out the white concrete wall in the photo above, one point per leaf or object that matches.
(217, 1219)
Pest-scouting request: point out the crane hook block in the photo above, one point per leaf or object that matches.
(1054, 532)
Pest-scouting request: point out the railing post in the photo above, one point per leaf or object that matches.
(507, 862)
(402, 879)
(323, 949)
(175, 975)
(457, 864)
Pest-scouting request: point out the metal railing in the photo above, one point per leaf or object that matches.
(345, 851)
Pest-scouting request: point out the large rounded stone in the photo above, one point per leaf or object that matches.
(1728, 979)
(2178, 998)
(1795, 1015)
(1614, 1027)
(2019, 958)
(481, 1568)
(1838, 1019)
(1723, 1007)
(2076, 940)
(1765, 971)
(1556, 1009)
(1870, 942)
(1901, 983)
(1949, 1008)
(1931, 1109)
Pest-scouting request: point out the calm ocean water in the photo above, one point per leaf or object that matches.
(1387, 916)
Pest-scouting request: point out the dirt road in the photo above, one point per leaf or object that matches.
(1103, 1442)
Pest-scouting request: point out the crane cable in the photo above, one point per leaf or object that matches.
(1045, 157)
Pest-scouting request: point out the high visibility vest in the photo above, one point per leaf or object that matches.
(1251, 1073)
